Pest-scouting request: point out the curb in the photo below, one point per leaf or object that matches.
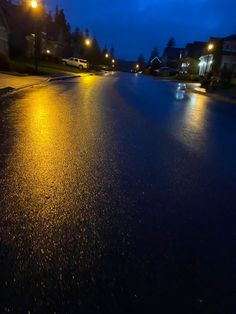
(62, 78)
(214, 96)
(7, 90)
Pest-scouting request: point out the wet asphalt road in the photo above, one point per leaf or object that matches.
(116, 197)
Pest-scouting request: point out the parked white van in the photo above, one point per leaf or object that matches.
(75, 62)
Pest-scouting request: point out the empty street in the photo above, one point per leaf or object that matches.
(117, 195)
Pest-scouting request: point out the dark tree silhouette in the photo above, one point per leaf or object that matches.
(141, 60)
(52, 27)
(171, 43)
(112, 52)
(154, 54)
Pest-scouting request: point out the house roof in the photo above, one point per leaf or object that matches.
(195, 49)
(155, 59)
(231, 37)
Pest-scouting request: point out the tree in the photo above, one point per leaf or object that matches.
(62, 33)
(171, 43)
(154, 54)
(54, 32)
(87, 33)
(78, 43)
(112, 52)
(141, 60)
(49, 25)
(95, 53)
(104, 53)
(105, 50)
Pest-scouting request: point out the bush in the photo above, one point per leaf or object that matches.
(5, 64)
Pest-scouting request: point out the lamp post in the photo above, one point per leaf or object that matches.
(210, 48)
(34, 6)
(106, 55)
(88, 42)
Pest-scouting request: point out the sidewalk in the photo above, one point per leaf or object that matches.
(9, 83)
(16, 82)
(226, 96)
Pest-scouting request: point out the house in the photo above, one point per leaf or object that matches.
(190, 57)
(4, 31)
(18, 23)
(220, 54)
(228, 59)
(155, 63)
(171, 57)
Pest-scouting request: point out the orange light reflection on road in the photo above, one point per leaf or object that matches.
(191, 130)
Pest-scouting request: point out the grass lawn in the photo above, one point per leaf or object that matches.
(44, 67)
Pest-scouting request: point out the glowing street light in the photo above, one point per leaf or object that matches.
(106, 55)
(113, 61)
(34, 4)
(210, 47)
(137, 66)
(48, 52)
(88, 42)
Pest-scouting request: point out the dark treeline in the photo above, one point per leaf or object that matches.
(55, 33)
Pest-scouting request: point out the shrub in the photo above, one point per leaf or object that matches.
(5, 64)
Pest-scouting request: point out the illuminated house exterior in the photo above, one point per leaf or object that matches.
(4, 45)
(205, 64)
(220, 56)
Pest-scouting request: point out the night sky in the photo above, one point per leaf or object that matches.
(136, 26)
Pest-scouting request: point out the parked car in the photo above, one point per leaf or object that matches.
(104, 67)
(167, 71)
(75, 62)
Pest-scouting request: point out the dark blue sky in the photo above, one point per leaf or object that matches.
(135, 26)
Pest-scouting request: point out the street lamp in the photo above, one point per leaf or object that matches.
(137, 67)
(107, 55)
(113, 61)
(210, 48)
(34, 6)
(87, 42)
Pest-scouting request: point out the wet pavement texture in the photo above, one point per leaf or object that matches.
(117, 195)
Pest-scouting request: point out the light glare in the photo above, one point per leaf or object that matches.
(34, 4)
